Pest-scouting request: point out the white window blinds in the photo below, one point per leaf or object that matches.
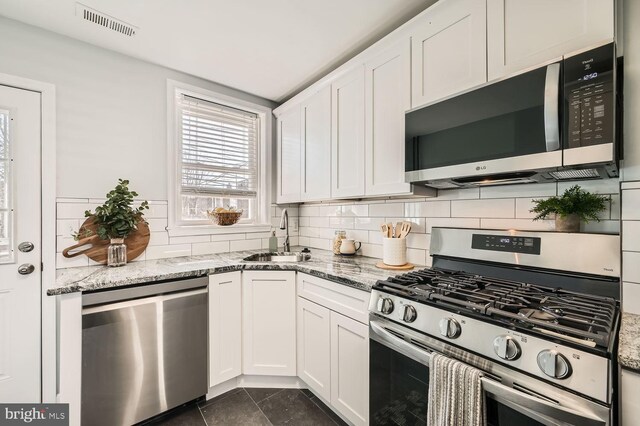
(218, 149)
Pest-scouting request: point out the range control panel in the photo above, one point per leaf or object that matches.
(508, 243)
(589, 94)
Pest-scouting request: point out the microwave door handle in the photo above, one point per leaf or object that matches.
(551, 107)
(541, 409)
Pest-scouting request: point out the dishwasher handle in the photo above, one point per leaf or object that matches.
(137, 302)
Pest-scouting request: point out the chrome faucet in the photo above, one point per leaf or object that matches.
(284, 224)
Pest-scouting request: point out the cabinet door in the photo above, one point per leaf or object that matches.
(629, 403)
(448, 50)
(269, 323)
(225, 332)
(288, 167)
(350, 368)
(523, 34)
(314, 347)
(347, 135)
(316, 146)
(387, 93)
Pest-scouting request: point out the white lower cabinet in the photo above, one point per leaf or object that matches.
(629, 402)
(333, 347)
(225, 327)
(314, 347)
(350, 368)
(269, 323)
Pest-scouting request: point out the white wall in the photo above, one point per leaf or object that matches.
(111, 110)
(631, 36)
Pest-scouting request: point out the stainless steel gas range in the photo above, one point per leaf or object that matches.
(537, 312)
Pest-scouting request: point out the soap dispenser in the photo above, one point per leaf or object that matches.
(273, 242)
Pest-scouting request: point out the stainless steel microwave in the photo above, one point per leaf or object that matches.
(555, 122)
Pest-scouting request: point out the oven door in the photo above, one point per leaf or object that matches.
(399, 386)
(503, 128)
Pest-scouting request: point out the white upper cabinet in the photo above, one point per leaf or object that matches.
(522, 34)
(387, 93)
(316, 146)
(288, 167)
(448, 50)
(347, 135)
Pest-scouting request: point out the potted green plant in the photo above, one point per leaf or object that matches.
(572, 207)
(116, 219)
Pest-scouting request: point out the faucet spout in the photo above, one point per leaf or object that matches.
(284, 224)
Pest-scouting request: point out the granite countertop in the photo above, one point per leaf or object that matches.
(629, 342)
(358, 271)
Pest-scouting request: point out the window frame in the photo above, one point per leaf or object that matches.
(179, 227)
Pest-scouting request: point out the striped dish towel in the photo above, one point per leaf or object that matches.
(455, 394)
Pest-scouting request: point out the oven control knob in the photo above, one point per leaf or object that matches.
(385, 305)
(450, 328)
(554, 364)
(506, 348)
(410, 314)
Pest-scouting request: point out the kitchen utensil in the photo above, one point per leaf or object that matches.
(389, 230)
(349, 247)
(96, 249)
(405, 229)
(398, 228)
(384, 229)
(404, 267)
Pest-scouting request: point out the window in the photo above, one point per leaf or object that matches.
(220, 158)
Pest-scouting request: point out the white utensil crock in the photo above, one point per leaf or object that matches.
(394, 251)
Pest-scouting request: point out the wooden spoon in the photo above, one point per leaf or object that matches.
(398, 229)
(406, 228)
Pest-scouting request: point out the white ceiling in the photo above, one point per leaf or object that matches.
(270, 48)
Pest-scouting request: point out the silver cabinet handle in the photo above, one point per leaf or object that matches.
(26, 246)
(551, 114)
(26, 269)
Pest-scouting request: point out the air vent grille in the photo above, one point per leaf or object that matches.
(91, 15)
(575, 174)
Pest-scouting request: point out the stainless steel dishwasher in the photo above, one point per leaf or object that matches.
(144, 350)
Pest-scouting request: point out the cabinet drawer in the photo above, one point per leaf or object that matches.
(348, 301)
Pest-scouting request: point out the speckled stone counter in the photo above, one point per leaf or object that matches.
(629, 343)
(358, 271)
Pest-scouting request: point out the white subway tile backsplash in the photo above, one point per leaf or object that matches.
(368, 223)
(158, 238)
(238, 245)
(172, 250)
(600, 186)
(417, 257)
(524, 206)
(513, 191)
(329, 210)
(519, 224)
(342, 222)
(459, 194)
(371, 250)
(451, 222)
(156, 211)
(73, 210)
(630, 298)
(157, 225)
(602, 227)
(227, 237)
(428, 209)
(66, 227)
(418, 224)
(631, 235)
(418, 241)
(358, 235)
(309, 210)
(386, 210)
(360, 210)
(74, 262)
(319, 222)
(210, 248)
(64, 241)
(631, 204)
(630, 269)
(496, 208)
(190, 239)
(615, 207)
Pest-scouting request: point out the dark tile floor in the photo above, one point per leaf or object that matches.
(254, 406)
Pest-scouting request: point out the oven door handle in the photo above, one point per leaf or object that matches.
(542, 410)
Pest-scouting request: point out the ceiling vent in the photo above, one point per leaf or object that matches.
(91, 15)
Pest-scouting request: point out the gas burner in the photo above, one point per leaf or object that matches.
(537, 314)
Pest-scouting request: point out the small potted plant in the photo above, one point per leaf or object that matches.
(116, 219)
(573, 206)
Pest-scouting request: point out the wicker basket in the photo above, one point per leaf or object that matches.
(225, 218)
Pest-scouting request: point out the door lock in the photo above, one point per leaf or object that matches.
(25, 247)
(26, 269)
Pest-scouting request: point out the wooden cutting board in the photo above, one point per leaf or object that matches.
(404, 267)
(96, 249)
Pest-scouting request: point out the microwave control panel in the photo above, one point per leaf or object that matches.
(589, 93)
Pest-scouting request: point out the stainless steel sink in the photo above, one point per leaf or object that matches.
(278, 257)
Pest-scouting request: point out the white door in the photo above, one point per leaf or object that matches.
(387, 94)
(347, 135)
(316, 146)
(314, 347)
(449, 50)
(19, 223)
(269, 323)
(350, 368)
(523, 34)
(289, 156)
(225, 327)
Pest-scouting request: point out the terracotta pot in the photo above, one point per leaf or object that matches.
(569, 223)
